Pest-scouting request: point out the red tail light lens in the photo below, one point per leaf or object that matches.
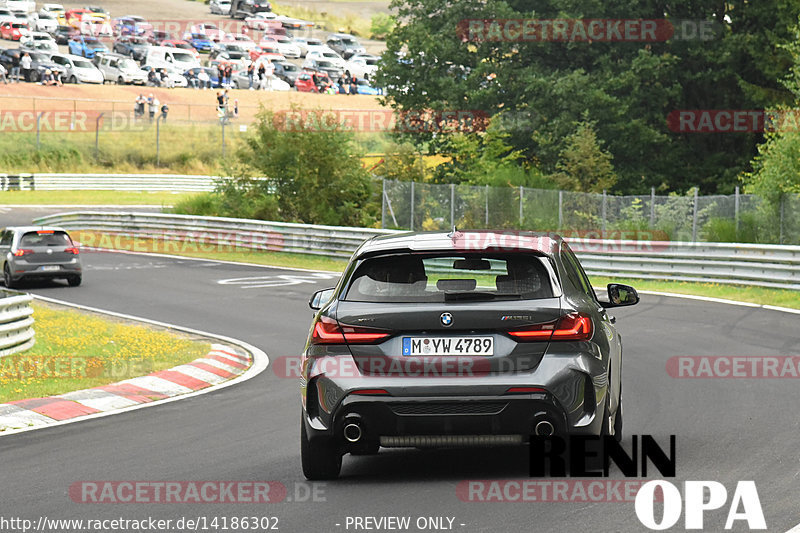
(328, 331)
(21, 252)
(72, 250)
(371, 392)
(572, 327)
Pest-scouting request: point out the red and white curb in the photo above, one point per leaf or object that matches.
(225, 365)
(221, 364)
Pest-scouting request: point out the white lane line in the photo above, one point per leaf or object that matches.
(260, 364)
(795, 529)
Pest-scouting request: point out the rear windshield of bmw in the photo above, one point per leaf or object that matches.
(410, 278)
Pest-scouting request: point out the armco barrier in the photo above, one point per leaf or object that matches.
(107, 182)
(743, 264)
(16, 322)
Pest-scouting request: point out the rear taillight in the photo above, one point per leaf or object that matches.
(72, 250)
(328, 331)
(21, 252)
(571, 327)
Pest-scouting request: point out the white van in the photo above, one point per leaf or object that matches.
(169, 57)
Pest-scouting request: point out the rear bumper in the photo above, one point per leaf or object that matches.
(33, 271)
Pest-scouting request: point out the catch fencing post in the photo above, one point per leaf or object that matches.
(605, 202)
(694, 217)
(158, 139)
(383, 204)
(652, 206)
(97, 136)
(452, 205)
(560, 209)
(38, 130)
(486, 217)
(736, 209)
(223, 135)
(521, 195)
(783, 203)
(412, 207)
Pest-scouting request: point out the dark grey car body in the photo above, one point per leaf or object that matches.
(527, 385)
(38, 252)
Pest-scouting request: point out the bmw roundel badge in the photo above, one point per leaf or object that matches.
(447, 319)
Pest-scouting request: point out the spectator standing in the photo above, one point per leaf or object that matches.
(251, 72)
(25, 64)
(220, 104)
(3, 73)
(165, 81)
(228, 75)
(164, 111)
(221, 74)
(138, 109)
(152, 106)
(353, 85)
(15, 70)
(236, 108)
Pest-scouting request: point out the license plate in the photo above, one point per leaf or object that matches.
(448, 346)
(49, 268)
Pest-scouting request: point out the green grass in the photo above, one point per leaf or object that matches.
(91, 198)
(756, 295)
(76, 350)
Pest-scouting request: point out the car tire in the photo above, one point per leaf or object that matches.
(33, 77)
(74, 281)
(7, 279)
(72, 79)
(321, 459)
(120, 81)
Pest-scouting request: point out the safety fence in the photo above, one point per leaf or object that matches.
(16, 322)
(743, 264)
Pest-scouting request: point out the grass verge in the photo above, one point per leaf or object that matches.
(758, 295)
(76, 350)
(34, 198)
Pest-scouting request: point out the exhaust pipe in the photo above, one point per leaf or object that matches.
(544, 428)
(352, 432)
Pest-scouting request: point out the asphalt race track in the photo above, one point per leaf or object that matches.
(727, 429)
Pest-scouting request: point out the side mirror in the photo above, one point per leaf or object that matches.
(620, 295)
(320, 298)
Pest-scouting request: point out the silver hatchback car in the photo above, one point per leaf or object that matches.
(38, 252)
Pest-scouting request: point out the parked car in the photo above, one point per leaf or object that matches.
(74, 17)
(327, 55)
(99, 13)
(57, 10)
(131, 25)
(211, 31)
(41, 62)
(170, 57)
(63, 34)
(134, 47)
(319, 65)
(344, 44)
(46, 22)
(267, 51)
(38, 40)
(241, 81)
(286, 71)
(362, 64)
(304, 43)
(545, 356)
(365, 87)
(183, 45)
(7, 15)
(228, 51)
(199, 41)
(14, 31)
(85, 46)
(304, 83)
(220, 7)
(176, 77)
(241, 9)
(157, 36)
(21, 6)
(241, 39)
(287, 47)
(77, 69)
(120, 69)
(39, 252)
(291, 23)
(264, 21)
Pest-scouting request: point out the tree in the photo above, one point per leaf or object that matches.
(584, 166)
(626, 89)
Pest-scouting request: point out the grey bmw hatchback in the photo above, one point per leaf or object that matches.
(467, 338)
(38, 252)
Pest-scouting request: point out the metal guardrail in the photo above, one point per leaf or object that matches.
(743, 264)
(107, 182)
(16, 322)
